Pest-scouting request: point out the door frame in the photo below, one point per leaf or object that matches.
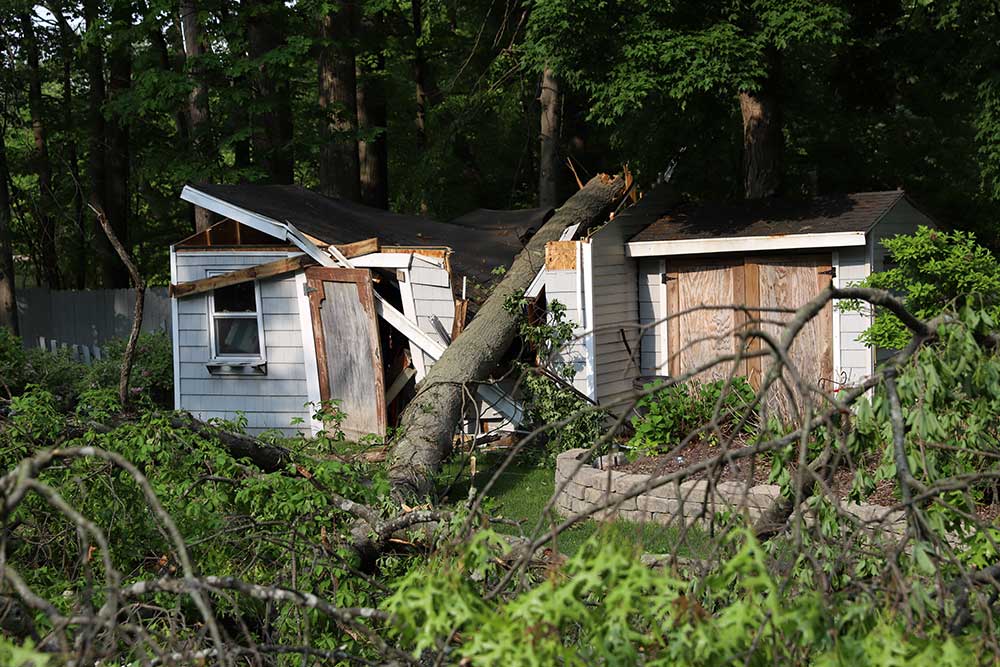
(362, 279)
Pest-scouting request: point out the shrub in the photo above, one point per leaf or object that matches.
(152, 374)
(670, 414)
(934, 271)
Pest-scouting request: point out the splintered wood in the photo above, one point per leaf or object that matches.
(560, 255)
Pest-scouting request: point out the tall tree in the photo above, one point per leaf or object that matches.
(338, 101)
(272, 138)
(67, 49)
(763, 136)
(119, 149)
(421, 73)
(45, 209)
(548, 157)
(197, 107)
(96, 126)
(373, 120)
(8, 302)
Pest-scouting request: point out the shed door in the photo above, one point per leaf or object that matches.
(703, 292)
(790, 283)
(348, 352)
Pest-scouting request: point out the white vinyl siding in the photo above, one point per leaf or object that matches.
(432, 296)
(616, 308)
(651, 314)
(854, 362)
(563, 286)
(268, 401)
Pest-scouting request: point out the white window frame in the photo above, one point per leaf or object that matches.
(212, 315)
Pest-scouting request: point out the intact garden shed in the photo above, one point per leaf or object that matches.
(649, 291)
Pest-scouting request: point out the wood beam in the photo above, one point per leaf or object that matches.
(268, 270)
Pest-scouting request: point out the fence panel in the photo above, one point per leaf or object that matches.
(87, 319)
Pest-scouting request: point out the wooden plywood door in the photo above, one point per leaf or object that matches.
(789, 283)
(348, 351)
(702, 293)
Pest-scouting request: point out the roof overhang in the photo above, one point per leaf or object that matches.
(744, 244)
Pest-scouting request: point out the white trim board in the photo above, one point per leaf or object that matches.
(308, 349)
(744, 244)
(175, 334)
(224, 208)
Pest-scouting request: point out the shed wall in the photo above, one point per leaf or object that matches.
(432, 296)
(854, 360)
(564, 286)
(268, 401)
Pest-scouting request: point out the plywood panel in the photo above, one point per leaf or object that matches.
(791, 282)
(348, 351)
(700, 332)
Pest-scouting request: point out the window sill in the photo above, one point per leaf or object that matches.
(237, 367)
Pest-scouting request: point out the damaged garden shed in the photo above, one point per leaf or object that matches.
(292, 298)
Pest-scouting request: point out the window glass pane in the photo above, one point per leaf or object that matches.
(236, 299)
(237, 335)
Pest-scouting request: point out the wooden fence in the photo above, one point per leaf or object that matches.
(84, 321)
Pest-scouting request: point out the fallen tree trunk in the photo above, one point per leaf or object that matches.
(429, 421)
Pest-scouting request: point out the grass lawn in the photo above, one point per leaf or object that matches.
(522, 491)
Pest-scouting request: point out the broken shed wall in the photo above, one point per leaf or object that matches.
(269, 401)
(564, 286)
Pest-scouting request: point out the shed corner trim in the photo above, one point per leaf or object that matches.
(744, 244)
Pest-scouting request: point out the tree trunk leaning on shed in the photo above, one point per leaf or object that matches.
(428, 424)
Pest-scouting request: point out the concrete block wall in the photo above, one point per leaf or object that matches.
(694, 500)
(584, 487)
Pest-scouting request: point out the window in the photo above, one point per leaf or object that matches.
(236, 322)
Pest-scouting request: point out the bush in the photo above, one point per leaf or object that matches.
(934, 271)
(670, 414)
(55, 371)
(152, 374)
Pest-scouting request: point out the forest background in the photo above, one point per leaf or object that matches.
(442, 106)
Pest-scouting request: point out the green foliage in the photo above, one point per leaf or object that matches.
(152, 372)
(606, 608)
(668, 415)
(17, 655)
(950, 393)
(934, 271)
(576, 423)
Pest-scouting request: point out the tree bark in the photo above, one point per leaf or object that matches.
(421, 75)
(119, 149)
(67, 47)
(97, 128)
(763, 138)
(428, 422)
(45, 209)
(128, 358)
(272, 140)
(8, 303)
(548, 156)
(373, 149)
(339, 171)
(197, 108)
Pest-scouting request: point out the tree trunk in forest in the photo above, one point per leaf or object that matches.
(763, 138)
(45, 210)
(421, 75)
(272, 138)
(338, 160)
(67, 48)
(373, 150)
(8, 304)
(197, 108)
(116, 204)
(428, 423)
(548, 156)
(96, 150)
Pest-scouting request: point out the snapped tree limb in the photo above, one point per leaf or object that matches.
(428, 423)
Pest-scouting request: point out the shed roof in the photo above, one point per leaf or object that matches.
(481, 240)
(857, 212)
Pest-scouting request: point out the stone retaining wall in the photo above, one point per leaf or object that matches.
(587, 486)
